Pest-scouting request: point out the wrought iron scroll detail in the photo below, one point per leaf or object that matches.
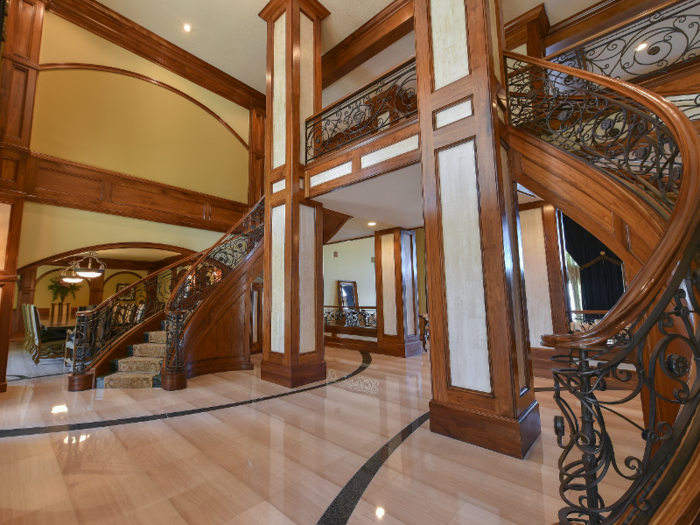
(648, 46)
(97, 330)
(387, 101)
(346, 316)
(212, 268)
(615, 134)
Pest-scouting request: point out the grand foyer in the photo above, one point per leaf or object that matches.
(255, 417)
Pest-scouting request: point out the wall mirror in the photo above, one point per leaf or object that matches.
(347, 293)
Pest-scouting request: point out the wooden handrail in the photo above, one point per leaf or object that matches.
(651, 280)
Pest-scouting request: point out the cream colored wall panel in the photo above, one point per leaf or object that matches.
(354, 263)
(389, 285)
(332, 174)
(279, 185)
(448, 25)
(5, 210)
(307, 279)
(277, 305)
(306, 78)
(279, 93)
(539, 308)
(399, 148)
(123, 124)
(521, 49)
(453, 114)
(48, 230)
(408, 257)
(466, 307)
(63, 42)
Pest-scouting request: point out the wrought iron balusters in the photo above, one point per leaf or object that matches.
(365, 317)
(387, 101)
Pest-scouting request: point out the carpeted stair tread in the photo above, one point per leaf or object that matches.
(140, 364)
(155, 337)
(129, 380)
(149, 350)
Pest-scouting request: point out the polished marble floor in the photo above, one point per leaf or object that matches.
(279, 461)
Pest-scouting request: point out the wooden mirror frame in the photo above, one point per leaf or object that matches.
(354, 289)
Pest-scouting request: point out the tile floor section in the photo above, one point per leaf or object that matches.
(281, 461)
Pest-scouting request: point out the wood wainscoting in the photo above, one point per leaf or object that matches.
(351, 338)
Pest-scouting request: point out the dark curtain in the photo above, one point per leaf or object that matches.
(601, 283)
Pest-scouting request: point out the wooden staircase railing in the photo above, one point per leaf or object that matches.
(641, 140)
(217, 265)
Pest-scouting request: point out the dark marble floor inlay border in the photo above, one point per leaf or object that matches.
(342, 507)
(33, 431)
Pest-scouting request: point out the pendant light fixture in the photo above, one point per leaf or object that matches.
(76, 274)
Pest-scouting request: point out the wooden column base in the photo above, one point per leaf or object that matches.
(513, 437)
(408, 349)
(292, 377)
(81, 382)
(172, 382)
(3, 387)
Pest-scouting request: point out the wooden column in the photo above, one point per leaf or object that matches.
(11, 207)
(293, 352)
(398, 332)
(551, 220)
(481, 372)
(256, 183)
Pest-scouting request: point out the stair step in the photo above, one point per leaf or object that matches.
(155, 337)
(130, 380)
(140, 364)
(149, 350)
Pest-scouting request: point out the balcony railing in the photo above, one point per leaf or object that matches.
(360, 316)
(376, 106)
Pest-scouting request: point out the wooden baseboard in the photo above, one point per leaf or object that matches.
(171, 382)
(216, 365)
(3, 387)
(292, 377)
(513, 437)
(409, 349)
(81, 382)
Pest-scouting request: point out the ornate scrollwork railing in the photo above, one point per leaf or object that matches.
(651, 44)
(98, 330)
(650, 340)
(688, 104)
(362, 316)
(215, 265)
(382, 103)
(586, 119)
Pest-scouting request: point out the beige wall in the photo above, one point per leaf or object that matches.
(48, 230)
(354, 263)
(131, 126)
(110, 287)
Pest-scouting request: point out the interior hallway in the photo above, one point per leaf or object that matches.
(278, 461)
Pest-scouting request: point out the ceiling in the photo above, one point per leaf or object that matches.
(394, 199)
(557, 10)
(229, 34)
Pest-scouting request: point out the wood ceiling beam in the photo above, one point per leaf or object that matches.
(110, 25)
(391, 24)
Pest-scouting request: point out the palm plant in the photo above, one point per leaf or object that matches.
(62, 289)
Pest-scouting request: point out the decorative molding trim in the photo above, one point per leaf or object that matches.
(391, 24)
(535, 21)
(117, 71)
(119, 30)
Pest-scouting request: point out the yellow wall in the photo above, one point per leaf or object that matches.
(354, 263)
(63, 42)
(111, 287)
(49, 230)
(134, 127)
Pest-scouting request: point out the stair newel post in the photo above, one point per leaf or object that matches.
(293, 351)
(482, 378)
(173, 374)
(83, 340)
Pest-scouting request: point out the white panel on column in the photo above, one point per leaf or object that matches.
(464, 278)
(306, 78)
(307, 279)
(408, 258)
(279, 93)
(277, 305)
(389, 285)
(448, 27)
(539, 309)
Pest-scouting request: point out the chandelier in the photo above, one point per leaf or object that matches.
(75, 273)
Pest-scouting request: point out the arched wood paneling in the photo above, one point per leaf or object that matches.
(122, 273)
(117, 71)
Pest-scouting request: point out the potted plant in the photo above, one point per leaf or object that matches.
(61, 289)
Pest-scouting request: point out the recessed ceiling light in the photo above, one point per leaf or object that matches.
(371, 224)
(642, 46)
(187, 27)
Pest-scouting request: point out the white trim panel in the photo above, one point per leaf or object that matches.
(277, 306)
(331, 174)
(394, 150)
